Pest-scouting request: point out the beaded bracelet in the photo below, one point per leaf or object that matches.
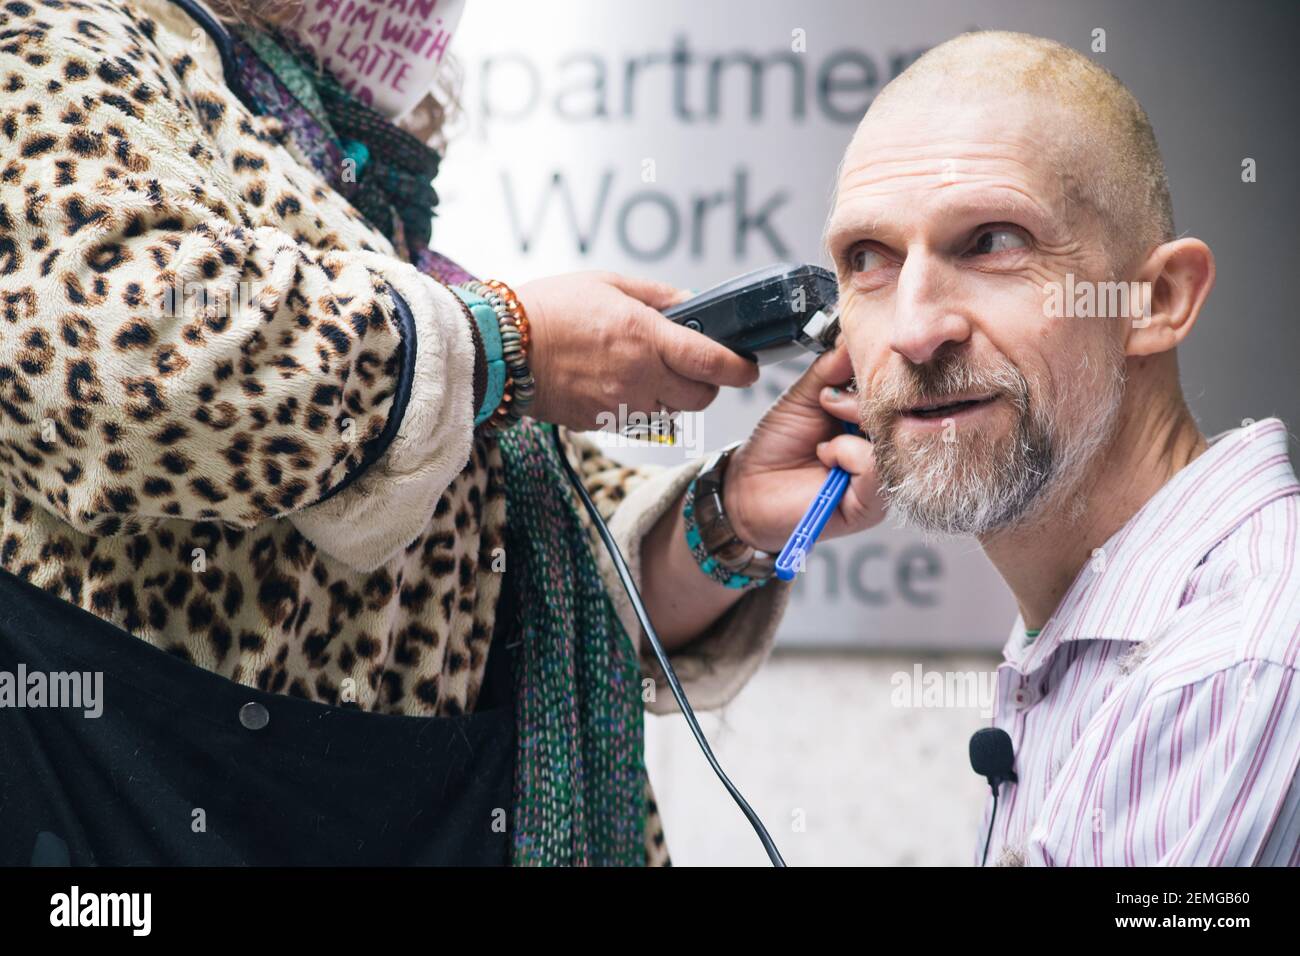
(717, 550)
(516, 348)
(515, 339)
(489, 334)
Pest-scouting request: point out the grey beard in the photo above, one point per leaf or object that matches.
(950, 488)
(944, 494)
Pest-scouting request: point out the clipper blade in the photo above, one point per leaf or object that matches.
(822, 330)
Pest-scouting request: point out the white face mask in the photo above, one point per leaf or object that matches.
(385, 52)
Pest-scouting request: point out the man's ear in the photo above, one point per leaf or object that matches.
(1176, 279)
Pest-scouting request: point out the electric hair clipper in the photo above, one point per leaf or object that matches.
(768, 315)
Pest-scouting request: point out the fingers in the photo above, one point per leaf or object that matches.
(831, 369)
(862, 506)
(688, 353)
(699, 358)
(850, 452)
(841, 403)
(657, 295)
(683, 395)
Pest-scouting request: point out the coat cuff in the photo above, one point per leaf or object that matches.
(389, 505)
(714, 666)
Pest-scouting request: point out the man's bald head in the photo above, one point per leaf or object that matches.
(997, 179)
(1110, 162)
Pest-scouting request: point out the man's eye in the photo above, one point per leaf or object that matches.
(997, 240)
(864, 259)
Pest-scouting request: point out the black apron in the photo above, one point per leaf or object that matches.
(184, 767)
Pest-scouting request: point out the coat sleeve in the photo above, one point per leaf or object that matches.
(162, 356)
(715, 665)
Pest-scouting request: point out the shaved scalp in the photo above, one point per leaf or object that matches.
(1112, 163)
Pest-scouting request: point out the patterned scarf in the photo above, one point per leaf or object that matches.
(580, 779)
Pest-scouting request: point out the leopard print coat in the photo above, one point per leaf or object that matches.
(208, 478)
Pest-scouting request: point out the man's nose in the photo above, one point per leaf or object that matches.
(927, 309)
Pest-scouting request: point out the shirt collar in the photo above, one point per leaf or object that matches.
(1137, 578)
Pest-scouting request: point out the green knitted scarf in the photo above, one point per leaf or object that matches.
(580, 779)
(580, 772)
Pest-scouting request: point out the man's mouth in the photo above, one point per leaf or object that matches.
(949, 407)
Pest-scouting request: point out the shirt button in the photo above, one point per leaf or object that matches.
(1022, 698)
(254, 716)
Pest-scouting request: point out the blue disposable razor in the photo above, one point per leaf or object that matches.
(794, 556)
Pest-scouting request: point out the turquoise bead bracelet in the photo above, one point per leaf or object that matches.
(707, 562)
(489, 330)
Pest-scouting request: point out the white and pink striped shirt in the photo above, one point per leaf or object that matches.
(1155, 718)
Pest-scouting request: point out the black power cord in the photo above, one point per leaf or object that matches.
(988, 840)
(625, 575)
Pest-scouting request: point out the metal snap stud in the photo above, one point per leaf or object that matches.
(254, 716)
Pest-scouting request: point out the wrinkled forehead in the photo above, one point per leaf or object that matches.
(920, 150)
